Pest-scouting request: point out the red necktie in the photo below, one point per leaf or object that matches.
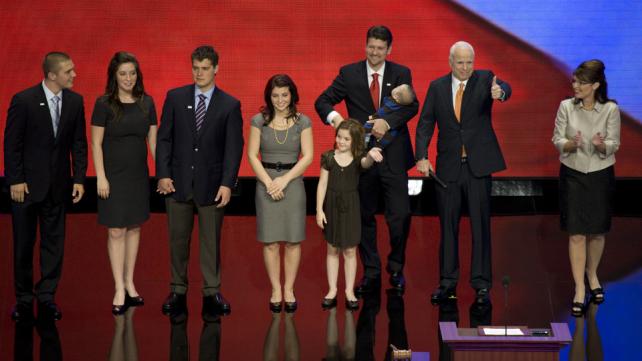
(374, 90)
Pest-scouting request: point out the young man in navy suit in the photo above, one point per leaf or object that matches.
(362, 85)
(45, 129)
(467, 154)
(200, 144)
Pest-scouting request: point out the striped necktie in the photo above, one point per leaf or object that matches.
(200, 112)
(56, 118)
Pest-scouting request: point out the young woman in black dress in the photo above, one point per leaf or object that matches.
(123, 125)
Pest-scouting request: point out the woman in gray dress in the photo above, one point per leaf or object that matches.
(283, 139)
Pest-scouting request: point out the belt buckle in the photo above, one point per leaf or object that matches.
(278, 166)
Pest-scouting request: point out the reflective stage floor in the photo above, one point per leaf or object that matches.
(529, 249)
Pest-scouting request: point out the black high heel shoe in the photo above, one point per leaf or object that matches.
(118, 310)
(290, 307)
(577, 309)
(329, 303)
(276, 307)
(352, 305)
(597, 295)
(134, 301)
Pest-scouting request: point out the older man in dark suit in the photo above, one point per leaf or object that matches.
(467, 154)
(362, 85)
(45, 129)
(200, 144)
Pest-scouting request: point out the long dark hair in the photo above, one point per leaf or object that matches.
(592, 71)
(357, 133)
(111, 89)
(279, 81)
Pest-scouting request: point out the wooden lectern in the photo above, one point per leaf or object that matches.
(466, 344)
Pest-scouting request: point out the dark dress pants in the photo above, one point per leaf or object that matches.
(26, 216)
(372, 182)
(476, 192)
(180, 216)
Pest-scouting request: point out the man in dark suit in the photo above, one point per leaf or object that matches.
(45, 128)
(467, 154)
(362, 85)
(200, 144)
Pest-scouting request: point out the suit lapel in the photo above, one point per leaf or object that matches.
(65, 109)
(386, 87)
(210, 114)
(191, 107)
(363, 82)
(42, 104)
(448, 97)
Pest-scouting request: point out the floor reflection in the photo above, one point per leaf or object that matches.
(366, 325)
(334, 351)
(589, 347)
(479, 315)
(50, 347)
(124, 346)
(271, 344)
(209, 343)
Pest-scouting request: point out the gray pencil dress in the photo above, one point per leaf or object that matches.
(282, 220)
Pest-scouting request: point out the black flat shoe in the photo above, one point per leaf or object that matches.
(482, 296)
(367, 285)
(22, 312)
(134, 301)
(597, 295)
(49, 310)
(174, 303)
(352, 305)
(442, 294)
(329, 303)
(398, 281)
(118, 310)
(577, 309)
(290, 307)
(276, 307)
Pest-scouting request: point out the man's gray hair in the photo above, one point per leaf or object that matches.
(460, 45)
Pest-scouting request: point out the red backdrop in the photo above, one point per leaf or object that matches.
(309, 40)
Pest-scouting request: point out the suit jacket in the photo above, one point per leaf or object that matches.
(475, 131)
(199, 163)
(31, 152)
(351, 85)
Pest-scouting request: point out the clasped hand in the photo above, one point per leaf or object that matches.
(276, 187)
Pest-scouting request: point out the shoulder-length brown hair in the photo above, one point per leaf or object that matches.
(279, 81)
(357, 133)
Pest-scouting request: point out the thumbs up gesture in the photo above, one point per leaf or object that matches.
(495, 90)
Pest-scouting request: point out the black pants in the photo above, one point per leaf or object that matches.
(26, 217)
(180, 216)
(397, 213)
(476, 192)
